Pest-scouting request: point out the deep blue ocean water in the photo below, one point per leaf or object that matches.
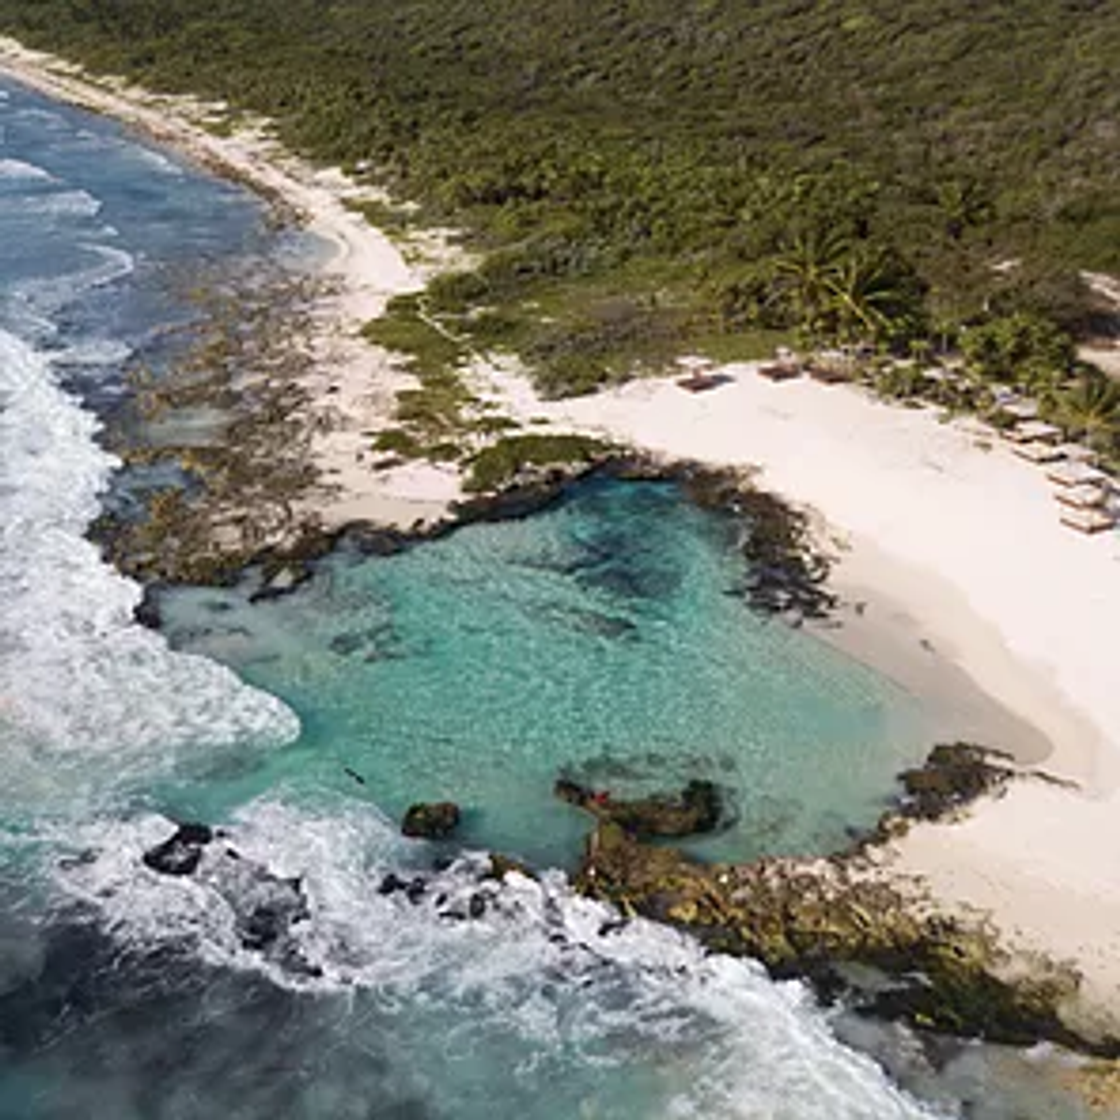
(603, 639)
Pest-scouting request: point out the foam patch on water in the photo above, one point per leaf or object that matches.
(36, 301)
(19, 171)
(94, 352)
(531, 960)
(61, 204)
(86, 687)
(157, 161)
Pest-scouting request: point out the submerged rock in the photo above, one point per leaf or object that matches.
(431, 820)
(282, 579)
(181, 853)
(696, 809)
(953, 775)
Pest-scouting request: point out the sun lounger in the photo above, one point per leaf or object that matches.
(1088, 520)
(780, 371)
(1020, 408)
(1078, 453)
(829, 374)
(1074, 474)
(1030, 431)
(1037, 451)
(701, 382)
(1086, 496)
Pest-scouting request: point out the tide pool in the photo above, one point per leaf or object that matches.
(605, 639)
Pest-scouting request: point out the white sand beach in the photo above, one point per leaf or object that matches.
(938, 518)
(952, 548)
(951, 543)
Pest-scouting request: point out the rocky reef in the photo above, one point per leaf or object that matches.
(847, 928)
(431, 820)
(695, 810)
(953, 776)
(788, 571)
(266, 907)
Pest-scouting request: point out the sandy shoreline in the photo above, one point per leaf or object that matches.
(954, 549)
(352, 383)
(929, 514)
(975, 595)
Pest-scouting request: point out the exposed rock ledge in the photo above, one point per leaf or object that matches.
(848, 925)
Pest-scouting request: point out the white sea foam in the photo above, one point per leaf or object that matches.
(557, 970)
(17, 169)
(68, 204)
(82, 686)
(93, 352)
(39, 300)
(157, 161)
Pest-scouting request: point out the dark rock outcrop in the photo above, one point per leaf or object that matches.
(788, 573)
(181, 853)
(953, 775)
(810, 918)
(431, 820)
(817, 918)
(696, 809)
(265, 906)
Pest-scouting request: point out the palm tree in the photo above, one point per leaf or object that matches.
(864, 295)
(962, 203)
(1091, 410)
(806, 270)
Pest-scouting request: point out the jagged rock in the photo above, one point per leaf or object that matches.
(413, 889)
(147, 611)
(265, 906)
(501, 866)
(696, 809)
(803, 917)
(286, 578)
(182, 852)
(268, 921)
(431, 820)
(391, 884)
(953, 775)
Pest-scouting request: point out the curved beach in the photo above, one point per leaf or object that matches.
(951, 545)
(352, 385)
(952, 548)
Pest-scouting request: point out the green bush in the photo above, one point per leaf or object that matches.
(497, 466)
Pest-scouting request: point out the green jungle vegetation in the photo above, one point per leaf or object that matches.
(638, 178)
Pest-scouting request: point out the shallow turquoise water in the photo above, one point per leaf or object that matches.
(605, 639)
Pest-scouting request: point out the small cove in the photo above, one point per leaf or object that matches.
(605, 639)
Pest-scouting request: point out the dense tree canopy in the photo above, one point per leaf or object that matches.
(661, 172)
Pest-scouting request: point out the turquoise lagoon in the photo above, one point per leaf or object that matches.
(605, 637)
